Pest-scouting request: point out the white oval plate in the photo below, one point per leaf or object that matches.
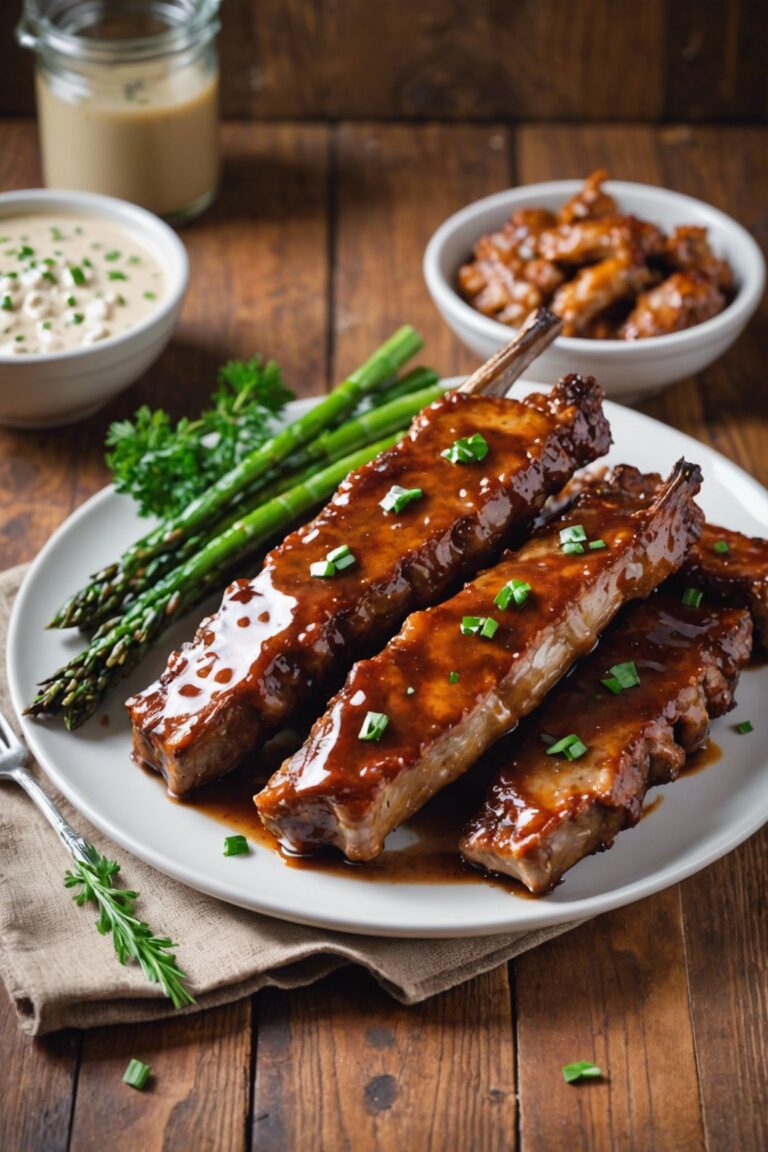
(703, 816)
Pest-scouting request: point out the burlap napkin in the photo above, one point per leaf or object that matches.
(60, 972)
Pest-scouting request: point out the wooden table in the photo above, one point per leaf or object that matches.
(312, 255)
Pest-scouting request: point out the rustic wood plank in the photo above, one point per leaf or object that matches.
(614, 992)
(394, 186)
(716, 60)
(724, 908)
(342, 1066)
(726, 929)
(197, 1096)
(301, 59)
(36, 1086)
(630, 1013)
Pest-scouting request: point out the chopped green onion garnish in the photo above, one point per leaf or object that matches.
(341, 557)
(546, 738)
(399, 498)
(745, 727)
(721, 546)
(479, 626)
(111, 256)
(116, 275)
(516, 590)
(77, 275)
(373, 726)
(597, 545)
(620, 677)
(573, 548)
(581, 1070)
(570, 746)
(692, 597)
(322, 568)
(7, 304)
(467, 450)
(453, 677)
(575, 532)
(235, 845)
(136, 1074)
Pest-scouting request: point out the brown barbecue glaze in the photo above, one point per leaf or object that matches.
(738, 576)
(280, 637)
(340, 789)
(543, 813)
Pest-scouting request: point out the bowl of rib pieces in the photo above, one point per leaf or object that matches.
(652, 286)
(481, 612)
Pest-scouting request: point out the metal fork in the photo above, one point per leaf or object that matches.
(13, 758)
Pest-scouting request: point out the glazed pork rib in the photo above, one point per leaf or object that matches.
(722, 563)
(544, 813)
(460, 675)
(286, 635)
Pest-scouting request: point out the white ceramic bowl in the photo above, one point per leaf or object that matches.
(40, 391)
(628, 370)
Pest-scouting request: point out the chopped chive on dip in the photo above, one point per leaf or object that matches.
(112, 256)
(721, 546)
(25, 252)
(150, 296)
(467, 450)
(484, 626)
(453, 677)
(570, 747)
(692, 597)
(581, 1070)
(397, 499)
(745, 727)
(235, 845)
(115, 275)
(6, 304)
(78, 276)
(136, 1074)
(516, 590)
(374, 726)
(621, 677)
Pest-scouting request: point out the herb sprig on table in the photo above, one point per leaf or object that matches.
(132, 938)
(164, 467)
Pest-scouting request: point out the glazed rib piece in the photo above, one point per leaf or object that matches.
(543, 813)
(286, 635)
(736, 574)
(350, 792)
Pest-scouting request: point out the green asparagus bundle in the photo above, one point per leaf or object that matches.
(78, 688)
(107, 589)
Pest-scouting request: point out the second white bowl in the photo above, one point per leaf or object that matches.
(627, 369)
(39, 391)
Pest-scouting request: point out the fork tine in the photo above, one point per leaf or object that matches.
(11, 739)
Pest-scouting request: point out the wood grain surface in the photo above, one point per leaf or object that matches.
(312, 255)
(515, 60)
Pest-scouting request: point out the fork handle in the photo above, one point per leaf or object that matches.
(80, 848)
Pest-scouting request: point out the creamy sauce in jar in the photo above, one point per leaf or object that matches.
(151, 140)
(69, 281)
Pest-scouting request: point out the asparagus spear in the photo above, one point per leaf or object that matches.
(201, 515)
(78, 688)
(104, 600)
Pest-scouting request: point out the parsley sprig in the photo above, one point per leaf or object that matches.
(133, 939)
(165, 466)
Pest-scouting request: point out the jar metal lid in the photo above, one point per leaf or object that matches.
(63, 26)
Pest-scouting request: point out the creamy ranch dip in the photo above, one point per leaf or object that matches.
(67, 281)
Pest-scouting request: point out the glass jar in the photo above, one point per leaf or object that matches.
(127, 98)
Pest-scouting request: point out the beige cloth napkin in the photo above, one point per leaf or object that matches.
(60, 972)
